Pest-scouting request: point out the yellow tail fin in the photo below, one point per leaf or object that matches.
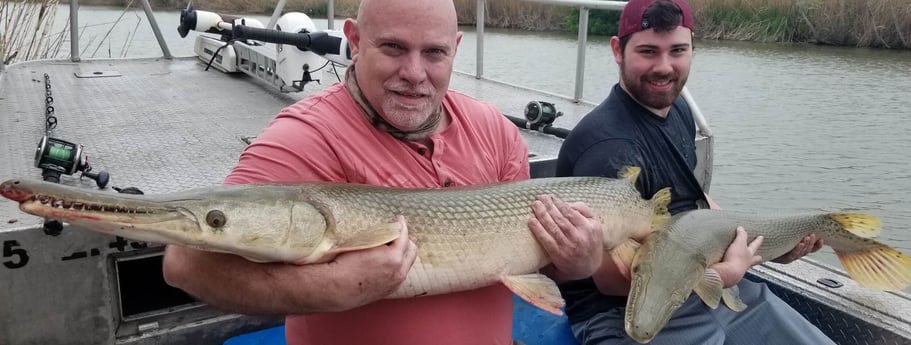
(863, 225)
(872, 264)
(878, 267)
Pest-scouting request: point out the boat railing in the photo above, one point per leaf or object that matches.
(584, 7)
(74, 30)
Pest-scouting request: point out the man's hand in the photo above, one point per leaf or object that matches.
(808, 244)
(371, 274)
(738, 258)
(571, 236)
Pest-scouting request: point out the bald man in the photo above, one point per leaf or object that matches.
(392, 122)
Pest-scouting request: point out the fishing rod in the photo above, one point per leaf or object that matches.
(57, 157)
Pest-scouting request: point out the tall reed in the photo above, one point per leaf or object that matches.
(515, 14)
(25, 28)
(862, 23)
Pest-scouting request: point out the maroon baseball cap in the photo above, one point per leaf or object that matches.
(631, 20)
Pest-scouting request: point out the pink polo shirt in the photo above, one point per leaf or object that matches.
(326, 138)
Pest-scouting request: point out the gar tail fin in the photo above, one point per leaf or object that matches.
(878, 266)
(874, 265)
(862, 225)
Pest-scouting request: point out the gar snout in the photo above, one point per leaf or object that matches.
(47, 199)
(12, 190)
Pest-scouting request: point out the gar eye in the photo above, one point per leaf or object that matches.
(216, 219)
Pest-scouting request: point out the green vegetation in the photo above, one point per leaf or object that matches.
(600, 22)
(861, 23)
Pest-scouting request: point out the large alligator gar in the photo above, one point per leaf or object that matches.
(467, 237)
(671, 262)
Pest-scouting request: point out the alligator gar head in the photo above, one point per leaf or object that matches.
(663, 276)
(266, 223)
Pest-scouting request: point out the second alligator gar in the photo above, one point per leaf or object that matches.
(467, 237)
(671, 262)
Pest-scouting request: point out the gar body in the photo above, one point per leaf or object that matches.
(467, 237)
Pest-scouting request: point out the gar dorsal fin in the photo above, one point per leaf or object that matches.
(630, 173)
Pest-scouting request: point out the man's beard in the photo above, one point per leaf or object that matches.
(638, 88)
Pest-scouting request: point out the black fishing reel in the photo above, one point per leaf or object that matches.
(55, 157)
(541, 114)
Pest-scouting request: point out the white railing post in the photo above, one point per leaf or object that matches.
(580, 53)
(154, 23)
(330, 14)
(74, 30)
(479, 33)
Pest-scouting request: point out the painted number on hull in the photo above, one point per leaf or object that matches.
(120, 244)
(18, 256)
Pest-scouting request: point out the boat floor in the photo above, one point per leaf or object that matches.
(165, 125)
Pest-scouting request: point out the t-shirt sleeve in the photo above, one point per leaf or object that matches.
(608, 157)
(516, 166)
(288, 150)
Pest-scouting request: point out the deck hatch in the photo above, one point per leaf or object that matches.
(142, 288)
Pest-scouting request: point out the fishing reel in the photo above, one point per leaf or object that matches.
(55, 157)
(541, 114)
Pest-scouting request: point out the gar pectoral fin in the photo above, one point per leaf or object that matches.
(731, 298)
(624, 254)
(372, 237)
(538, 290)
(375, 236)
(710, 288)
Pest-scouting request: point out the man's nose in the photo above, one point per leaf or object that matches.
(413, 69)
(663, 64)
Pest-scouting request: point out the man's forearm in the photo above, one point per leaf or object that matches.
(235, 284)
(610, 279)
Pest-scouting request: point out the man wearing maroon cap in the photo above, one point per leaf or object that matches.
(645, 122)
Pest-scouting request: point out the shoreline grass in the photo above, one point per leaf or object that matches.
(857, 23)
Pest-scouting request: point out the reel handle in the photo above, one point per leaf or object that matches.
(101, 178)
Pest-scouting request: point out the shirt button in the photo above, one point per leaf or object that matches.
(447, 183)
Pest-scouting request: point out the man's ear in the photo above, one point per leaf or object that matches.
(618, 51)
(458, 42)
(354, 38)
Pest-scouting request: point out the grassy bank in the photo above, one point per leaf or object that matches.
(862, 23)
(880, 23)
